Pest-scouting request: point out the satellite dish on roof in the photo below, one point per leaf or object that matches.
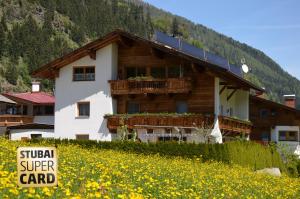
(245, 68)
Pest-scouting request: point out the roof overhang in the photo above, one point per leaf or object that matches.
(4, 99)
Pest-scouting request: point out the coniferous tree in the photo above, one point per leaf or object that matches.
(149, 24)
(114, 7)
(47, 26)
(3, 23)
(2, 40)
(175, 27)
(77, 34)
(11, 74)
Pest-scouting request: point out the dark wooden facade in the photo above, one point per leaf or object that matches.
(265, 115)
(194, 86)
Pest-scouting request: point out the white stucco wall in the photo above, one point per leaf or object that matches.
(217, 96)
(239, 103)
(69, 93)
(17, 134)
(242, 104)
(43, 119)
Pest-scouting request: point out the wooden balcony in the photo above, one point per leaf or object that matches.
(232, 125)
(170, 85)
(227, 125)
(153, 120)
(12, 120)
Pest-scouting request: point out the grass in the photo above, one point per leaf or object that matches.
(96, 173)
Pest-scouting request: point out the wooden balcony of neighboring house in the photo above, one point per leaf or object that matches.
(12, 120)
(227, 125)
(159, 86)
(233, 125)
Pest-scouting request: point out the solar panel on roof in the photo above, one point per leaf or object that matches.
(167, 40)
(192, 50)
(236, 70)
(196, 52)
(220, 61)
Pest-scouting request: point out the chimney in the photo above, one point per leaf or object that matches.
(290, 100)
(35, 87)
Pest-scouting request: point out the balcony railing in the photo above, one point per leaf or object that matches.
(12, 120)
(234, 125)
(170, 85)
(153, 120)
(177, 120)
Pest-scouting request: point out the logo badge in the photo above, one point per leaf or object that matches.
(37, 166)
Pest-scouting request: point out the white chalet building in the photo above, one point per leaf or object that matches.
(122, 78)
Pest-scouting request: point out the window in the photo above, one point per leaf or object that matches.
(273, 112)
(168, 139)
(158, 72)
(82, 137)
(288, 135)
(38, 110)
(36, 136)
(83, 108)
(149, 131)
(85, 73)
(187, 131)
(140, 72)
(43, 110)
(133, 107)
(168, 130)
(132, 72)
(264, 113)
(171, 138)
(174, 72)
(181, 107)
(49, 110)
(25, 110)
(11, 109)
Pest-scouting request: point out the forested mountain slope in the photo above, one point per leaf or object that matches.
(33, 32)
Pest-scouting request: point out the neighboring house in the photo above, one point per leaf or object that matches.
(31, 131)
(162, 92)
(275, 122)
(7, 108)
(24, 110)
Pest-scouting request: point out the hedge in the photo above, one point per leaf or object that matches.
(244, 153)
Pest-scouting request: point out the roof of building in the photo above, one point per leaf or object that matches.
(50, 70)
(32, 97)
(6, 100)
(32, 126)
(274, 104)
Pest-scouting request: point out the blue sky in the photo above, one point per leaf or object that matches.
(272, 26)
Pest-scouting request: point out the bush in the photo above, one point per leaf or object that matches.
(248, 154)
